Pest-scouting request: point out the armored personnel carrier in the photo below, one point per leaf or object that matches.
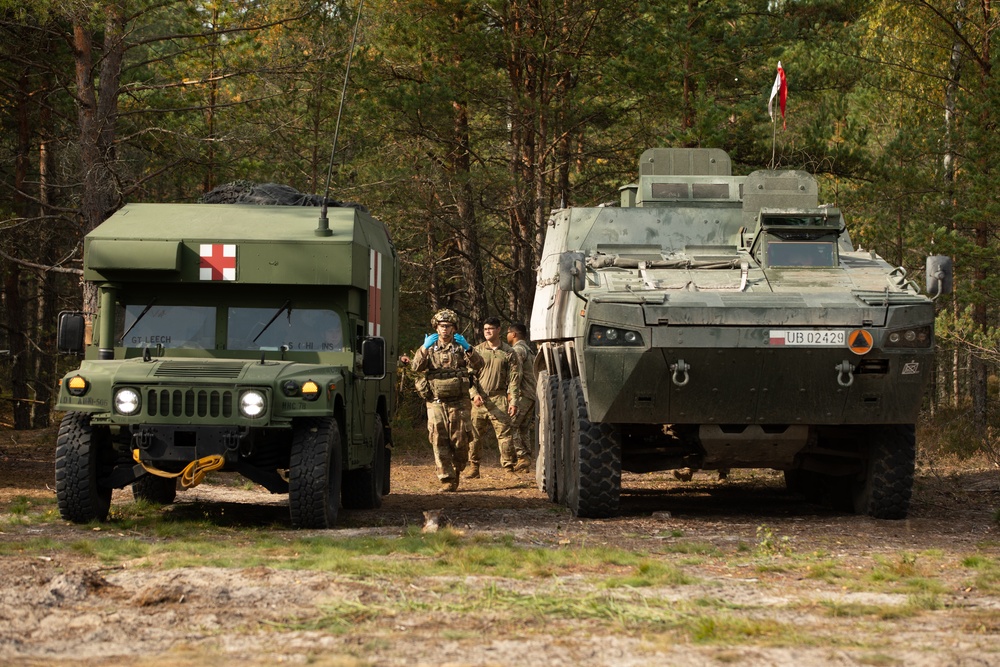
(714, 321)
(239, 338)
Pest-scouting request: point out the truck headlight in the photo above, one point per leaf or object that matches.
(915, 337)
(252, 404)
(611, 336)
(127, 401)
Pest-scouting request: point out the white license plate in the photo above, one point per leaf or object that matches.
(808, 338)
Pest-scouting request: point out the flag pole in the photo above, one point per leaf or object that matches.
(774, 139)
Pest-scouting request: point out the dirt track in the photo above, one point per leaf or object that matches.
(760, 550)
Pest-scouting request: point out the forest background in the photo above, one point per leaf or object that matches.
(466, 122)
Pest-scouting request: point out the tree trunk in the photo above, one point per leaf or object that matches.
(97, 116)
(468, 233)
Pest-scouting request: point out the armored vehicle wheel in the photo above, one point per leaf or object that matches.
(155, 489)
(883, 490)
(594, 461)
(549, 434)
(79, 455)
(363, 488)
(315, 471)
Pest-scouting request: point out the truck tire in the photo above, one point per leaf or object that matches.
(594, 461)
(883, 490)
(314, 474)
(79, 445)
(363, 487)
(549, 433)
(155, 489)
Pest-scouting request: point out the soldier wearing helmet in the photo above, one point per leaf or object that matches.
(445, 359)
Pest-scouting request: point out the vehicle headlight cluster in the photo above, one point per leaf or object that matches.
(612, 336)
(309, 390)
(127, 401)
(915, 337)
(252, 404)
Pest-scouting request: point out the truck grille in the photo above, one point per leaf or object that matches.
(197, 402)
(230, 370)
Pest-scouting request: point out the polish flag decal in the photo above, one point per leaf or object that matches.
(375, 293)
(218, 261)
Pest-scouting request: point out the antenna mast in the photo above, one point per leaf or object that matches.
(324, 222)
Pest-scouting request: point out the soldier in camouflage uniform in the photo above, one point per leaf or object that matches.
(494, 399)
(445, 359)
(523, 421)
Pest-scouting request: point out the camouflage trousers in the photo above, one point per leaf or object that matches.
(449, 429)
(523, 425)
(492, 415)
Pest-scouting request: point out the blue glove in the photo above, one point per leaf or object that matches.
(460, 339)
(429, 340)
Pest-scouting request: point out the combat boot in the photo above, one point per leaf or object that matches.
(473, 472)
(524, 465)
(448, 486)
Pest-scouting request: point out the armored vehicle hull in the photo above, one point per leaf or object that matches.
(716, 322)
(236, 338)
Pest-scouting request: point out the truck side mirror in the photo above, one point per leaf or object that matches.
(69, 334)
(572, 272)
(373, 358)
(939, 275)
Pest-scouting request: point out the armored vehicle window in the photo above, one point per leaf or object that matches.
(669, 190)
(800, 253)
(796, 221)
(305, 329)
(176, 327)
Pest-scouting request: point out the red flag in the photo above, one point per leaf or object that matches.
(779, 90)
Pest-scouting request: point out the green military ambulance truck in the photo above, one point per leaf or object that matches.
(714, 321)
(240, 338)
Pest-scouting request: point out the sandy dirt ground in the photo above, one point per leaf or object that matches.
(67, 608)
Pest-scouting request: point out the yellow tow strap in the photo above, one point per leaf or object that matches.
(193, 473)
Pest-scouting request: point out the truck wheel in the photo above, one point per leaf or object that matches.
(883, 490)
(79, 447)
(155, 489)
(363, 487)
(314, 474)
(594, 470)
(549, 433)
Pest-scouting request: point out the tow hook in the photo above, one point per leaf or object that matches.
(680, 373)
(845, 368)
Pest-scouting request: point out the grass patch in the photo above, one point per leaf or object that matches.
(648, 574)
(30, 511)
(986, 572)
(512, 611)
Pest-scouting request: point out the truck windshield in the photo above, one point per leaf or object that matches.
(191, 327)
(301, 329)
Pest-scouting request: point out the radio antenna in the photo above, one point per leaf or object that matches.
(324, 222)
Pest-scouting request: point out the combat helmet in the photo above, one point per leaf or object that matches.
(444, 315)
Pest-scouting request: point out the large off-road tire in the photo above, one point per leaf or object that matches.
(80, 451)
(155, 489)
(363, 488)
(593, 461)
(883, 490)
(315, 472)
(549, 434)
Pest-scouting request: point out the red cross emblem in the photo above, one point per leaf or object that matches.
(218, 261)
(375, 293)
